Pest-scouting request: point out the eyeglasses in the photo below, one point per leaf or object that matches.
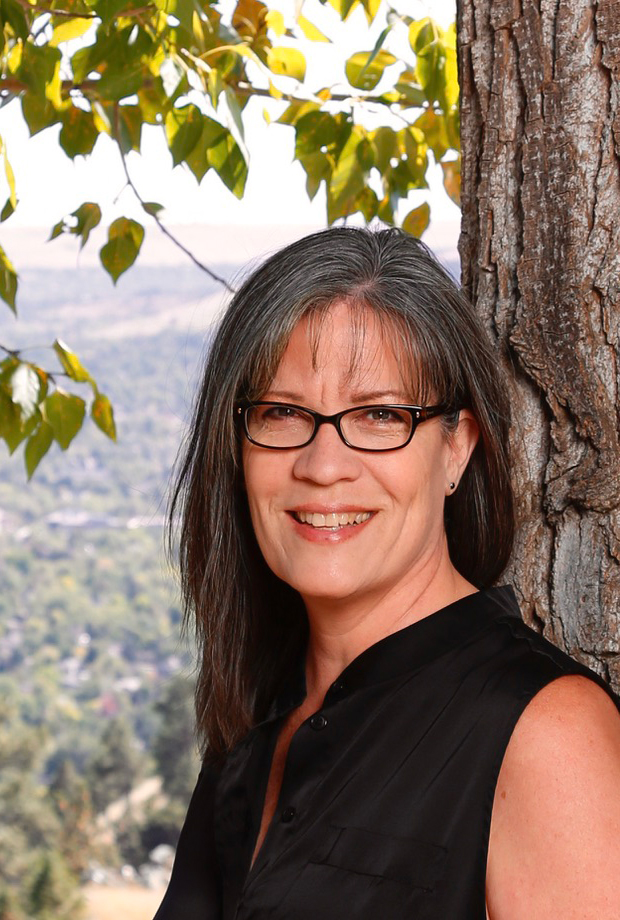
(283, 426)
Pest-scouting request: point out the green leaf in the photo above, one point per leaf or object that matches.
(417, 220)
(121, 251)
(317, 167)
(78, 134)
(8, 280)
(88, 216)
(37, 446)
(7, 210)
(213, 133)
(65, 413)
(434, 128)
(313, 131)
(152, 207)
(183, 129)
(130, 121)
(107, 10)
(71, 364)
(229, 163)
(24, 386)
(287, 62)
(103, 415)
(364, 69)
(347, 179)
(11, 427)
(38, 112)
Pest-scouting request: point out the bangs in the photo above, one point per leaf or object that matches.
(427, 375)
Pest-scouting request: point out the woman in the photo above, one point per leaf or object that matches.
(383, 736)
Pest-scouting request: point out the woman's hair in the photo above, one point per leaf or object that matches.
(251, 626)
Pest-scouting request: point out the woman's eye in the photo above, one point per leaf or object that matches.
(279, 414)
(385, 416)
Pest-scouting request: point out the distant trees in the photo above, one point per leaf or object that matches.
(115, 765)
(174, 747)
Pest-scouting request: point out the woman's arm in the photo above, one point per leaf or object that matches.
(554, 849)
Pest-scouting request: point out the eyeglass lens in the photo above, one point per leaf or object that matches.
(372, 427)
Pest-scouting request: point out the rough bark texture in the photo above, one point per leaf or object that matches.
(540, 250)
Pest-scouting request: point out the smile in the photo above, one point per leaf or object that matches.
(332, 520)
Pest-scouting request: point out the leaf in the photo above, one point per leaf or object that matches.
(310, 30)
(65, 413)
(452, 179)
(7, 210)
(130, 121)
(229, 163)
(88, 216)
(8, 280)
(152, 207)
(183, 129)
(24, 386)
(347, 179)
(213, 133)
(37, 446)
(70, 28)
(313, 131)
(363, 71)
(71, 364)
(125, 238)
(275, 21)
(287, 62)
(103, 415)
(38, 112)
(434, 128)
(11, 428)
(10, 177)
(417, 220)
(78, 134)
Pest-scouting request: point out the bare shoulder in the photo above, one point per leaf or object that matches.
(555, 833)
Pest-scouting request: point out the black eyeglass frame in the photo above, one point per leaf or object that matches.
(418, 414)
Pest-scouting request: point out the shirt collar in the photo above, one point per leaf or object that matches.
(408, 649)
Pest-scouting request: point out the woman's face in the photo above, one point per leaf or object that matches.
(400, 494)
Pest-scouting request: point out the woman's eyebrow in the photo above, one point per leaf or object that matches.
(361, 397)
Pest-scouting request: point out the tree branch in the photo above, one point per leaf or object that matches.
(158, 221)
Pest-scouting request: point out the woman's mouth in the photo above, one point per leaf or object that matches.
(332, 520)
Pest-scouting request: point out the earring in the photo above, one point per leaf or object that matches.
(452, 486)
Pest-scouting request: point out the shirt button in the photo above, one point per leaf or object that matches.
(318, 721)
(288, 814)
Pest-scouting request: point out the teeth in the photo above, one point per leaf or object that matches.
(332, 519)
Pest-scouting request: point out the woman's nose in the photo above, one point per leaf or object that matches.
(327, 458)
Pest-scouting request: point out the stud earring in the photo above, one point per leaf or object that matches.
(452, 485)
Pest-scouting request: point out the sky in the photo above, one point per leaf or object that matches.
(50, 185)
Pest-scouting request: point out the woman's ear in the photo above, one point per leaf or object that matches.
(462, 440)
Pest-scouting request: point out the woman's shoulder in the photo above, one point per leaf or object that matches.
(556, 816)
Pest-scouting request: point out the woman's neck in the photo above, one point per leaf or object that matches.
(341, 629)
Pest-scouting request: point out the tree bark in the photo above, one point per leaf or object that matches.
(540, 255)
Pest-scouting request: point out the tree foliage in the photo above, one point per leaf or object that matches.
(183, 67)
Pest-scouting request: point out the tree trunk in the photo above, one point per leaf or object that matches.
(540, 254)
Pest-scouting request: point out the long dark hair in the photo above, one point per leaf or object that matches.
(249, 624)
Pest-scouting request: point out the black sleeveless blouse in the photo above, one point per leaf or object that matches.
(386, 800)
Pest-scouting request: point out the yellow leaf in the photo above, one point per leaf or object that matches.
(10, 176)
(266, 116)
(287, 62)
(72, 28)
(417, 220)
(310, 30)
(452, 179)
(275, 21)
(274, 91)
